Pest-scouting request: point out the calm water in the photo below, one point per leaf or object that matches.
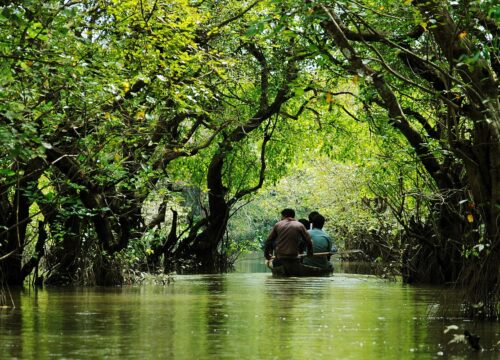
(239, 316)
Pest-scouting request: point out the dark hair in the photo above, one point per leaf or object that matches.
(304, 222)
(318, 221)
(288, 213)
(312, 214)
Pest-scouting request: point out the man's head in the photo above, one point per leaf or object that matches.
(312, 215)
(318, 221)
(288, 213)
(304, 222)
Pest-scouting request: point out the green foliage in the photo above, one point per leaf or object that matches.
(128, 104)
(315, 183)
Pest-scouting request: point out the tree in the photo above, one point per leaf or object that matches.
(257, 102)
(435, 72)
(100, 114)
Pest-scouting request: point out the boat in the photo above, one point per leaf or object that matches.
(279, 270)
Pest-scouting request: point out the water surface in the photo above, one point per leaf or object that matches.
(239, 316)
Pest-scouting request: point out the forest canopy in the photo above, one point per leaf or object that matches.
(134, 133)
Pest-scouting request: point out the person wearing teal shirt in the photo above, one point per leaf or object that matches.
(322, 242)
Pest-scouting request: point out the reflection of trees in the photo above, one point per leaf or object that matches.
(216, 311)
(12, 319)
(281, 303)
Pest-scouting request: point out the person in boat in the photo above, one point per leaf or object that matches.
(302, 243)
(286, 236)
(322, 243)
(305, 222)
(311, 216)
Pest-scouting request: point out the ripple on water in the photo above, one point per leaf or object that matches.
(239, 315)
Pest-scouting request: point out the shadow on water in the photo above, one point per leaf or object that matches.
(242, 315)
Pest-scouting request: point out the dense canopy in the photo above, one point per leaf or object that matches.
(142, 134)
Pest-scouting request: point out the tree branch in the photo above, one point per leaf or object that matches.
(267, 136)
(390, 102)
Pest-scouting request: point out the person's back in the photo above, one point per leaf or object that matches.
(286, 236)
(321, 243)
(290, 235)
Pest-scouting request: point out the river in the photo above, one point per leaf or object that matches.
(241, 315)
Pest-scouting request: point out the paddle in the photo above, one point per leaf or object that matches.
(328, 253)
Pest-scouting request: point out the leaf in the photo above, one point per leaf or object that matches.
(346, 52)
(254, 29)
(140, 115)
(46, 145)
(299, 91)
(7, 172)
(329, 97)
(479, 247)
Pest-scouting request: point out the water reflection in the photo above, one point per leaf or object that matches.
(254, 263)
(237, 316)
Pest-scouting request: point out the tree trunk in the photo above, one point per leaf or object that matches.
(203, 250)
(482, 275)
(64, 259)
(16, 238)
(13, 240)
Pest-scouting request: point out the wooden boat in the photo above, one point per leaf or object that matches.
(301, 270)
